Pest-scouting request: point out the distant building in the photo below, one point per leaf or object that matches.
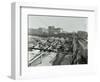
(32, 31)
(53, 30)
(42, 30)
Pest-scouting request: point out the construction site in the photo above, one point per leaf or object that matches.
(57, 48)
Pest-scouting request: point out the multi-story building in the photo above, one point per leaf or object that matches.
(53, 30)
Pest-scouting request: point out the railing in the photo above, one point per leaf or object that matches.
(35, 58)
(39, 55)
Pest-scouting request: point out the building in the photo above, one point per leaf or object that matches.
(53, 30)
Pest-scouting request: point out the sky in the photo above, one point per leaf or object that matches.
(68, 24)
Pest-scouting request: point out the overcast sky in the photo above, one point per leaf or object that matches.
(68, 24)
